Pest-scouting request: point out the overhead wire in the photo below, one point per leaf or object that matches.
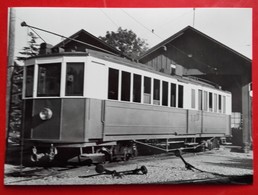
(145, 27)
(173, 19)
(109, 18)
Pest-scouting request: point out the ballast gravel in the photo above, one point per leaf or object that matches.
(216, 166)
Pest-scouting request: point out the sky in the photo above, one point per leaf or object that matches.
(230, 26)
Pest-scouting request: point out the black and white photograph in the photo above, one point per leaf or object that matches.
(104, 96)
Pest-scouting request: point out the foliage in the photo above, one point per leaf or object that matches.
(31, 50)
(126, 41)
(16, 80)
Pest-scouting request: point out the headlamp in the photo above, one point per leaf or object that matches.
(46, 114)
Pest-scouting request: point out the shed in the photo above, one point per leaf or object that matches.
(203, 57)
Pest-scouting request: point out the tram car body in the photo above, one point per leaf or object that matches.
(97, 100)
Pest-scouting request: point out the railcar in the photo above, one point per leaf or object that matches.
(90, 103)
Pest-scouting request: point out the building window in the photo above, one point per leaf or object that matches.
(210, 102)
(74, 79)
(125, 87)
(164, 93)
(156, 92)
(193, 99)
(200, 100)
(173, 69)
(137, 81)
(180, 96)
(29, 81)
(173, 95)
(147, 90)
(113, 84)
(49, 80)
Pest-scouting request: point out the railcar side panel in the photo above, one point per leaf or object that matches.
(194, 122)
(49, 129)
(215, 123)
(93, 119)
(28, 105)
(73, 116)
(127, 121)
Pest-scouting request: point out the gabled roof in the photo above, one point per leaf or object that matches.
(99, 44)
(180, 33)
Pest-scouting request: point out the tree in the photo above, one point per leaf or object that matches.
(16, 80)
(31, 50)
(126, 41)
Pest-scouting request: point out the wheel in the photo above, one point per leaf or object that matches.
(107, 155)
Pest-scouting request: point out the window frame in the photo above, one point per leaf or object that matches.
(64, 75)
(38, 77)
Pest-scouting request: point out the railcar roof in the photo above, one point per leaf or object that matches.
(130, 63)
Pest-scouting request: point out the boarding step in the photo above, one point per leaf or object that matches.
(191, 144)
(94, 157)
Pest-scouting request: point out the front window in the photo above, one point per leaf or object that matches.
(74, 79)
(49, 80)
(29, 81)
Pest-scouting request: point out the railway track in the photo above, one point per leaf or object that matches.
(162, 168)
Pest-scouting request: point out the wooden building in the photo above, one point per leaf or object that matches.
(192, 53)
(80, 42)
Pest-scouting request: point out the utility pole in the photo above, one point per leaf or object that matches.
(10, 65)
(193, 17)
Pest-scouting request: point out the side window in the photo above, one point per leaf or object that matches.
(173, 95)
(200, 100)
(220, 103)
(147, 90)
(210, 102)
(137, 81)
(193, 99)
(74, 79)
(180, 96)
(215, 103)
(205, 100)
(49, 80)
(29, 81)
(125, 86)
(156, 92)
(224, 104)
(164, 93)
(113, 84)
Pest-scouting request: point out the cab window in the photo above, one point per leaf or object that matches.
(29, 81)
(74, 79)
(49, 80)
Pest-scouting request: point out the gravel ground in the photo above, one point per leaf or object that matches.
(218, 166)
